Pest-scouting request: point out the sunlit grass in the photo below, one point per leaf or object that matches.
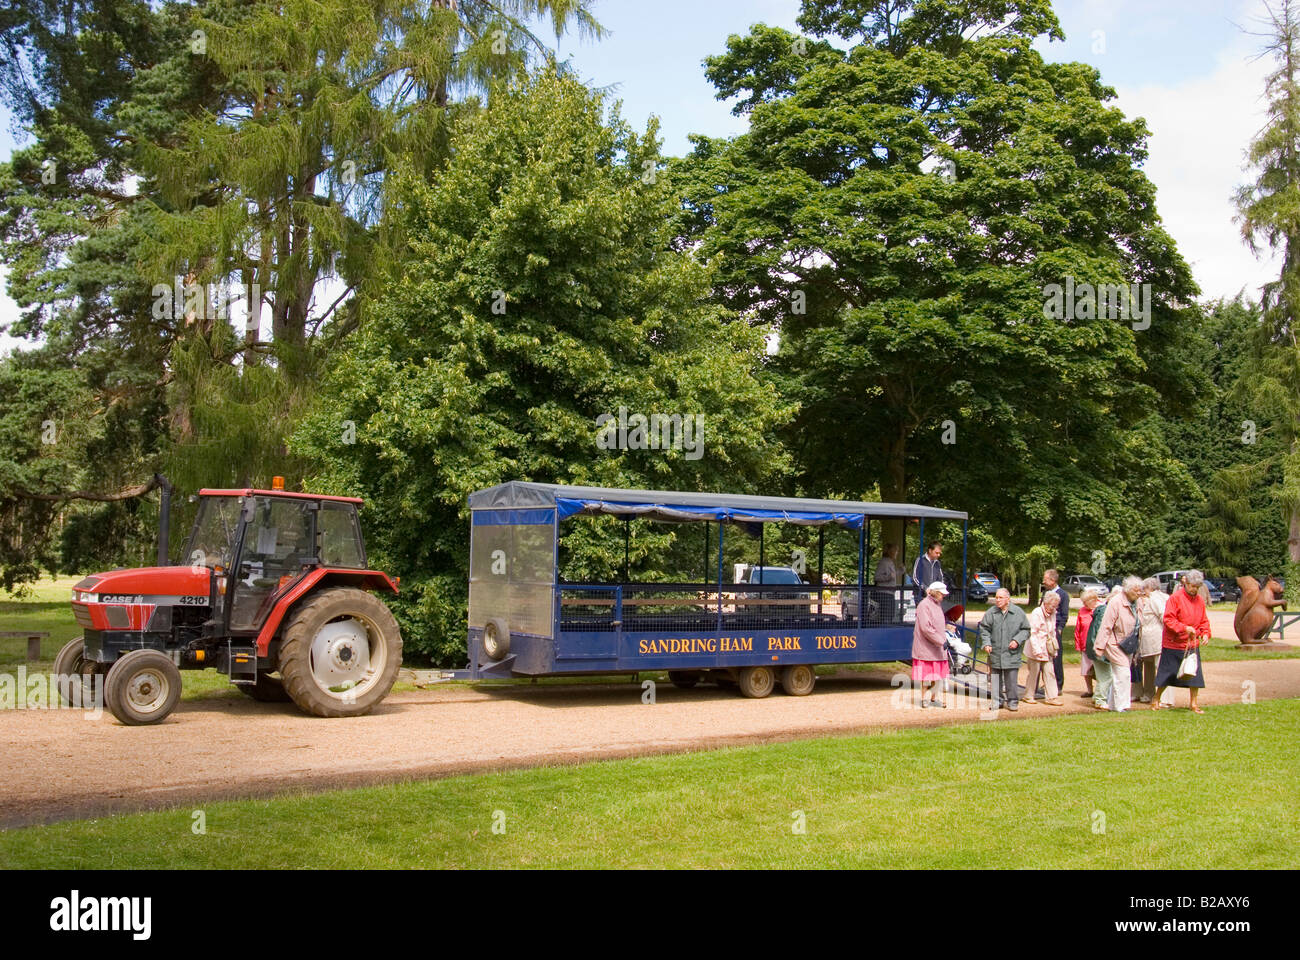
(1089, 791)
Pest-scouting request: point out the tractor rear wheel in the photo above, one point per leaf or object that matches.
(340, 653)
(75, 676)
(268, 689)
(685, 679)
(143, 686)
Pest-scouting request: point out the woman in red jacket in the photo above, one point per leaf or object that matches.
(1186, 626)
(1090, 597)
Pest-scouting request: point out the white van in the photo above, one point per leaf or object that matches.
(1169, 583)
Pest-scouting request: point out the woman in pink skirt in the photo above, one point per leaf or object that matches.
(929, 658)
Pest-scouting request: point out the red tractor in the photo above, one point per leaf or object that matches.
(274, 593)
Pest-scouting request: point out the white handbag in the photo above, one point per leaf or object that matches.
(1189, 666)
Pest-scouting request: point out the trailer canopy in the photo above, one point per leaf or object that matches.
(521, 500)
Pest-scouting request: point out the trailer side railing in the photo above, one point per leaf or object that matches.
(703, 607)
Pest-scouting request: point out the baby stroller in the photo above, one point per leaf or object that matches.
(960, 653)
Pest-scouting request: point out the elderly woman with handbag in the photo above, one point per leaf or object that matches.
(1186, 628)
(1118, 638)
(1041, 650)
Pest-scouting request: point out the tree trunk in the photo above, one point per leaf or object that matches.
(1293, 518)
(893, 489)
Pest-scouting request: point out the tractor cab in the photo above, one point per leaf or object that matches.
(259, 542)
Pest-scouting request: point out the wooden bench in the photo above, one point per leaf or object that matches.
(34, 638)
(1282, 620)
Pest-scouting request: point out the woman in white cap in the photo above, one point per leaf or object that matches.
(1041, 650)
(929, 659)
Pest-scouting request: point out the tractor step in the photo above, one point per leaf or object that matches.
(242, 660)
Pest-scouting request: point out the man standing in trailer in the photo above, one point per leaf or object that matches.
(928, 569)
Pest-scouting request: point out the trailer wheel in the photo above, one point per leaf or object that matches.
(340, 653)
(685, 679)
(798, 680)
(496, 639)
(142, 687)
(757, 682)
(268, 689)
(75, 676)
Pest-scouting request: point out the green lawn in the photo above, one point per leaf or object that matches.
(46, 608)
(1165, 789)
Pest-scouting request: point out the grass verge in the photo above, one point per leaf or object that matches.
(1163, 790)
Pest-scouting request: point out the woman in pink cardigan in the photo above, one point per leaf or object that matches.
(929, 658)
(1116, 625)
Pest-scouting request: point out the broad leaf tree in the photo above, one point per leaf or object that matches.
(901, 210)
(539, 296)
(1269, 210)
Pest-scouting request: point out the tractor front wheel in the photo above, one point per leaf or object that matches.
(340, 653)
(142, 687)
(76, 676)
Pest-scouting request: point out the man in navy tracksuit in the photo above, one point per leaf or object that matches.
(928, 569)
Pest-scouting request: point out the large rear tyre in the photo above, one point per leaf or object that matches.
(268, 689)
(757, 682)
(798, 681)
(143, 687)
(80, 681)
(684, 679)
(340, 653)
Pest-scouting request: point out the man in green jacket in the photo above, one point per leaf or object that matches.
(1003, 633)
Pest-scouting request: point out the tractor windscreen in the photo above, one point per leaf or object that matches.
(213, 539)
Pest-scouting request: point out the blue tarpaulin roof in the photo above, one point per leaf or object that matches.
(685, 506)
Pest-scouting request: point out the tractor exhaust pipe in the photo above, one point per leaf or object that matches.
(164, 518)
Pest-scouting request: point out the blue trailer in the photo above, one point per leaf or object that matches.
(527, 620)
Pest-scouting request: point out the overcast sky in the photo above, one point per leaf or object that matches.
(1187, 66)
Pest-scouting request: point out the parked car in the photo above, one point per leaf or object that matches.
(1169, 583)
(1228, 589)
(772, 575)
(1074, 585)
(976, 591)
(989, 581)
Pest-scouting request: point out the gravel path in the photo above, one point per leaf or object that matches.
(60, 764)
